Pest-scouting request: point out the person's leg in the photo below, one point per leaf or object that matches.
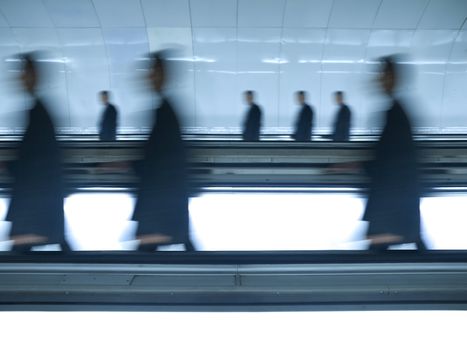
(189, 246)
(147, 248)
(21, 248)
(65, 247)
(421, 246)
(378, 248)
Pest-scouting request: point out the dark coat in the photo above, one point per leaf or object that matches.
(394, 195)
(36, 205)
(252, 124)
(342, 125)
(304, 124)
(108, 124)
(162, 198)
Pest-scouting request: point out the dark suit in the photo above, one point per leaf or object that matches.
(393, 204)
(304, 124)
(108, 124)
(342, 125)
(252, 124)
(162, 198)
(36, 205)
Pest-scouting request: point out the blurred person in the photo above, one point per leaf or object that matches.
(343, 119)
(108, 122)
(252, 123)
(304, 122)
(161, 208)
(393, 206)
(36, 209)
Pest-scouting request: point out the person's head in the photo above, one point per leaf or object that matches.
(339, 97)
(157, 74)
(301, 97)
(249, 97)
(389, 74)
(104, 96)
(30, 74)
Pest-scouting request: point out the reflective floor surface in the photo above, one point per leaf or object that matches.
(226, 221)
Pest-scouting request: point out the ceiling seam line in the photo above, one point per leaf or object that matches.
(330, 14)
(143, 13)
(376, 14)
(423, 14)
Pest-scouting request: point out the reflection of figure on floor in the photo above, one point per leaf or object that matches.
(108, 122)
(304, 123)
(393, 207)
(252, 123)
(342, 121)
(162, 199)
(36, 208)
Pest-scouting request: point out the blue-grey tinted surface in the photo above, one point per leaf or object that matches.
(273, 47)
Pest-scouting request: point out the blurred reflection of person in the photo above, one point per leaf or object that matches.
(36, 208)
(161, 208)
(304, 123)
(108, 122)
(252, 122)
(343, 119)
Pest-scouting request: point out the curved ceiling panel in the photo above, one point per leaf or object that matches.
(227, 46)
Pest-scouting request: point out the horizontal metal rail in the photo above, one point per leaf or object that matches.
(204, 286)
(230, 163)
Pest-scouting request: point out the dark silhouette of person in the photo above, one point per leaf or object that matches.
(252, 123)
(161, 208)
(393, 206)
(108, 122)
(36, 208)
(304, 123)
(343, 119)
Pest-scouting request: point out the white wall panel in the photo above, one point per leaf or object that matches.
(25, 13)
(162, 13)
(444, 14)
(124, 47)
(400, 14)
(388, 42)
(119, 13)
(72, 13)
(307, 13)
(430, 51)
(227, 46)
(214, 13)
(302, 49)
(258, 68)
(342, 68)
(454, 95)
(216, 77)
(353, 13)
(87, 73)
(260, 13)
(3, 22)
(13, 103)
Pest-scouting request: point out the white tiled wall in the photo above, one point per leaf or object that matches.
(227, 46)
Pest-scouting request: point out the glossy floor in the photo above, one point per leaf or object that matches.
(255, 221)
